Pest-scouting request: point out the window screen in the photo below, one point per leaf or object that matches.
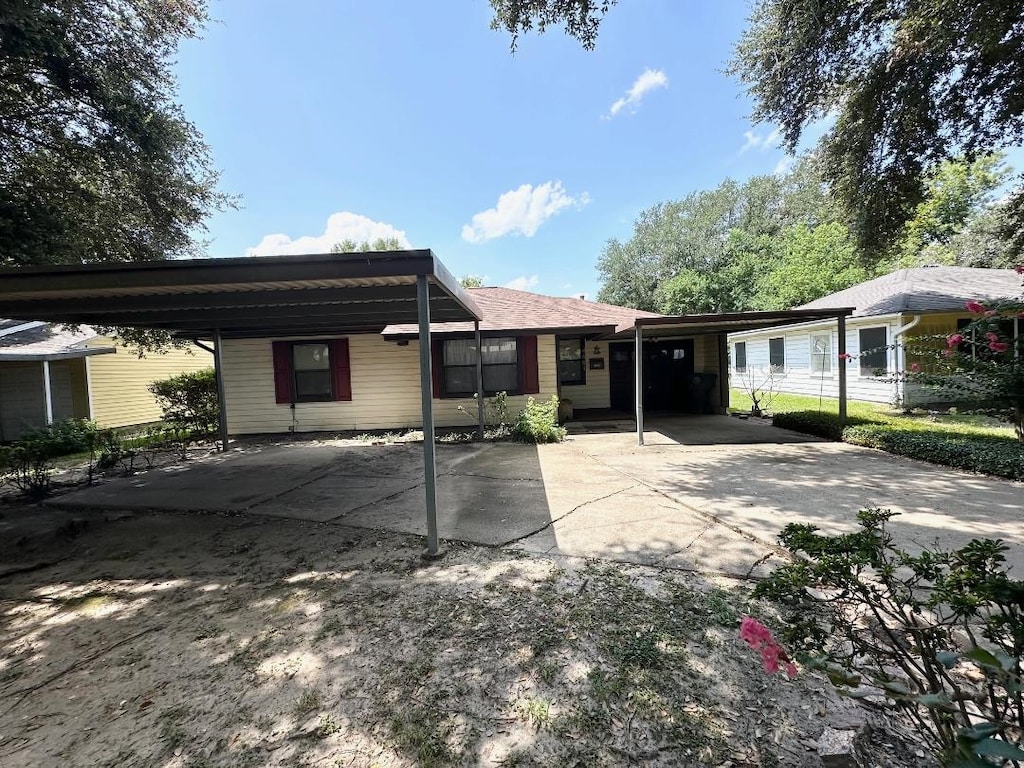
(312, 367)
(874, 353)
(821, 356)
(741, 355)
(777, 353)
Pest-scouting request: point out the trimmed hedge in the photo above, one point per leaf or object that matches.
(1002, 457)
(815, 423)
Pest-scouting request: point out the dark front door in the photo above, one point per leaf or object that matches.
(668, 367)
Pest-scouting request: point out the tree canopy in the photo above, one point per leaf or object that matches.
(905, 86)
(97, 161)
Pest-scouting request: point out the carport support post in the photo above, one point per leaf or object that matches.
(841, 322)
(427, 402)
(479, 381)
(222, 406)
(47, 393)
(639, 354)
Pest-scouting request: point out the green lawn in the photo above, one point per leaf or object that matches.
(926, 421)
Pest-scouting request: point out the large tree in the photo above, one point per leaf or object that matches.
(97, 161)
(904, 86)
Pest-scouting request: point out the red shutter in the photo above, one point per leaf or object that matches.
(284, 380)
(436, 365)
(529, 377)
(341, 370)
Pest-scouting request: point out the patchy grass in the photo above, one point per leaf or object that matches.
(934, 421)
(482, 658)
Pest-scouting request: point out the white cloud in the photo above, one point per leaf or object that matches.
(784, 165)
(344, 225)
(523, 283)
(521, 212)
(754, 140)
(649, 80)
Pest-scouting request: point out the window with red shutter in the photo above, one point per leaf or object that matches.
(312, 371)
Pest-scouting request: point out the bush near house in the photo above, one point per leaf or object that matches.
(986, 454)
(189, 400)
(538, 422)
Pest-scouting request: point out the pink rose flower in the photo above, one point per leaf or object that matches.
(1019, 269)
(915, 367)
(844, 356)
(759, 638)
(992, 336)
(955, 340)
(998, 346)
(973, 306)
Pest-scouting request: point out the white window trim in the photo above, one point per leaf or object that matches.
(828, 356)
(860, 352)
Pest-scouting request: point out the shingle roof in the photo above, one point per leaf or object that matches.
(41, 340)
(923, 289)
(506, 309)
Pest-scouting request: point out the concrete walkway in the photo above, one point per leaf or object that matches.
(705, 493)
(756, 478)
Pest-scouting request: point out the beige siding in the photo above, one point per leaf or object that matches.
(595, 393)
(385, 390)
(119, 382)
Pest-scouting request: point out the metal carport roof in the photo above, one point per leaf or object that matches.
(254, 297)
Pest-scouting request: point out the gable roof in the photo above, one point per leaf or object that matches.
(923, 289)
(21, 340)
(506, 309)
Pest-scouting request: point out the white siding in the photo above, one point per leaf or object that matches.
(798, 378)
(385, 390)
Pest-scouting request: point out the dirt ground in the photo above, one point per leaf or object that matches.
(213, 640)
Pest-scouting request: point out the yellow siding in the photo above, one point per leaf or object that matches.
(385, 390)
(595, 393)
(119, 382)
(79, 388)
(928, 337)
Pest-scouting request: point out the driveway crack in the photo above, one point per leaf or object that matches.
(550, 523)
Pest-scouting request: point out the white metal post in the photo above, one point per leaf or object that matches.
(639, 354)
(47, 393)
(427, 403)
(841, 321)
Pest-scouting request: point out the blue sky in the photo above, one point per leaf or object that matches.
(360, 118)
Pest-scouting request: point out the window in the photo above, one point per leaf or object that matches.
(740, 353)
(571, 359)
(874, 351)
(311, 371)
(311, 366)
(500, 364)
(777, 354)
(821, 356)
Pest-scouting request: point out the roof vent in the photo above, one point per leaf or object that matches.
(583, 297)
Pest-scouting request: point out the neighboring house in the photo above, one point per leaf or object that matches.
(48, 374)
(532, 345)
(892, 314)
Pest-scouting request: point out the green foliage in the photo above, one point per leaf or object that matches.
(99, 162)
(365, 246)
(938, 636)
(812, 263)
(580, 18)
(472, 281)
(63, 438)
(538, 422)
(954, 193)
(908, 85)
(711, 250)
(189, 400)
(818, 423)
(990, 455)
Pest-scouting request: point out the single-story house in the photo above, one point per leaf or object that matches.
(49, 373)
(892, 316)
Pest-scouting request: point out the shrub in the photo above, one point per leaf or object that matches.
(814, 423)
(63, 437)
(938, 636)
(538, 422)
(976, 453)
(27, 465)
(189, 400)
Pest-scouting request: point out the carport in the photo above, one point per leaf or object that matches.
(718, 326)
(213, 299)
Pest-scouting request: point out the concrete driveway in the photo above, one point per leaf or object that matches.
(705, 493)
